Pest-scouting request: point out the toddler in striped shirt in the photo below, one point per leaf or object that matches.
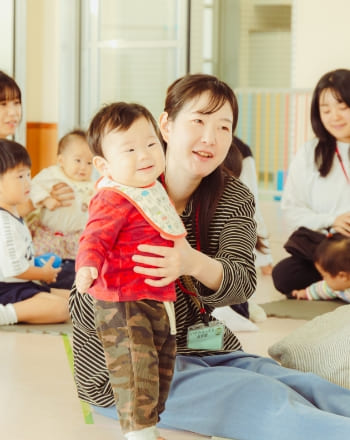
(332, 260)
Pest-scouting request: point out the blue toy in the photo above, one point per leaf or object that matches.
(40, 260)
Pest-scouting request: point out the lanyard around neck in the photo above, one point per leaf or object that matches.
(342, 164)
(189, 287)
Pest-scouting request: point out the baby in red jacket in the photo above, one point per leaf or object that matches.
(135, 320)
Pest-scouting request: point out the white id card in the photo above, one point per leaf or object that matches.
(206, 337)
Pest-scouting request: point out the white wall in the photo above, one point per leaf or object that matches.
(6, 36)
(259, 49)
(321, 39)
(42, 60)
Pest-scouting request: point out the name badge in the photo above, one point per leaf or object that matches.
(206, 337)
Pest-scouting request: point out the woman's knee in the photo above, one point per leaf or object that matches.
(294, 273)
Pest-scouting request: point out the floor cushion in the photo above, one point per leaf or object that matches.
(320, 346)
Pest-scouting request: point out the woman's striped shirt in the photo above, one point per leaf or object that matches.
(232, 238)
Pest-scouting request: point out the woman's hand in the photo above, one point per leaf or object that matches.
(63, 193)
(172, 262)
(342, 224)
(169, 262)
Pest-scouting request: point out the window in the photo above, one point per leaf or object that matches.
(131, 51)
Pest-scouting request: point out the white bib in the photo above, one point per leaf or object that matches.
(153, 203)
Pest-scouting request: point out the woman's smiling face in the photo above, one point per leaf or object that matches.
(10, 116)
(335, 115)
(196, 141)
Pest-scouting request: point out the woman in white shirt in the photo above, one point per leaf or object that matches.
(317, 191)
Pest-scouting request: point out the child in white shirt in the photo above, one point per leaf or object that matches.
(59, 227)
(22, 296)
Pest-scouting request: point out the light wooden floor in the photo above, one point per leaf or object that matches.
(37, 393)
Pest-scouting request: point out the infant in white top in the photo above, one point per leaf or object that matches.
(58, 227)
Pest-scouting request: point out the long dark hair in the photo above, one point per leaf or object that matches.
(178, 94)
(234, 160)
(338, 82)
(233, 164)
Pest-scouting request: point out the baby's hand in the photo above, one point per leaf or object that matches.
(48, 272)
(85, 277)
(299, 294)
(50, 203)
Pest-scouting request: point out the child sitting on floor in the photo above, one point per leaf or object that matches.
(22, 296)
(59, 227)
(332, 260)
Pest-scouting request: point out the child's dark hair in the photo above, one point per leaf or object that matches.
(12, 154)
(67, 138)
(119, 115)
(333, 254)
(9, 89)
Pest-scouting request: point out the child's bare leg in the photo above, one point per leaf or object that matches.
(44, 308)
(63, 293)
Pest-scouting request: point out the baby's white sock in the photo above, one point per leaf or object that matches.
(149, 433)
(8, 314)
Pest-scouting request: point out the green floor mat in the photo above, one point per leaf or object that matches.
(299, 309)
(49, 329)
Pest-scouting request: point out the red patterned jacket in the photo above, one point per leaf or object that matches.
(114, 230)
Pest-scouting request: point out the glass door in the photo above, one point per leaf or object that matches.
(131, 51)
